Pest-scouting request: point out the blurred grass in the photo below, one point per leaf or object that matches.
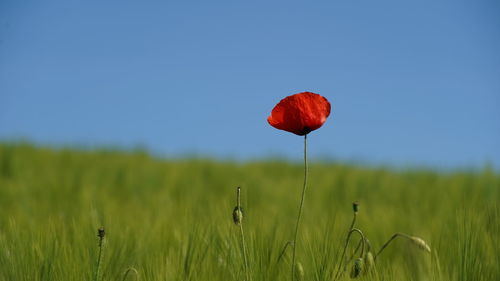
(171, 219)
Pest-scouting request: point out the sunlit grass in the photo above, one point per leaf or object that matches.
(172, 219)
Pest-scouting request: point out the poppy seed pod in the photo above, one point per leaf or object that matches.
(355, 206)
(101, 232)
(357, 268)
(299, 271)
(237, 215)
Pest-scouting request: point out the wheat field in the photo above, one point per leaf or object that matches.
(171, 219)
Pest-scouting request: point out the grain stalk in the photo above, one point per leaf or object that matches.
(288, 243)
(130, 270)
(419, 242)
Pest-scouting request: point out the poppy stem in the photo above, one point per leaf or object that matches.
(300, 208)
(244, 253)
(100, 234)
(345, 245)
(245, 259)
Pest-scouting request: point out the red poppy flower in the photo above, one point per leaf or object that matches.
(300, 114)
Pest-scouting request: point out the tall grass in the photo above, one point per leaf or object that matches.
(171, 219)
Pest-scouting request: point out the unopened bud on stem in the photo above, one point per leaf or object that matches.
(101, 233)
(355, 207)
(238, 211)
(237, 215)
(357, 269)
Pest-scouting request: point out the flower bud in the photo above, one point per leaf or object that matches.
(357, 268)
(237, 215)
(299, 271)
(101, 232)
(355, 207)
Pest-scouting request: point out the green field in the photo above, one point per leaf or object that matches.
(172, 219)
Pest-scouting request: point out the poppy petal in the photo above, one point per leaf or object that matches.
(300, 114)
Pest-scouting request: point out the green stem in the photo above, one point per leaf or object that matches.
(368, 248)
(394, 236)
(362, 240)
(345, 245)
(99, 258)
(244, 252)
(362, 246)
(245, 259)
(300, 208)
(130, 269)
(355, 251)
(284, 250)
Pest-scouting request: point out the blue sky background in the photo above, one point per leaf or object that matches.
(411, 83)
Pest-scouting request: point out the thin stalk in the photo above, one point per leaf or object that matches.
(244, 252)
(284, 250)
(100, 234)
(368, 247)
(130, 269)
(362, 240)
(345, 245)
(394, 236)
(300, 208)
(245, 259)
(362, 243)
(349, 260)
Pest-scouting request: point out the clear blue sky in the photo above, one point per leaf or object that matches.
(411, 83)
